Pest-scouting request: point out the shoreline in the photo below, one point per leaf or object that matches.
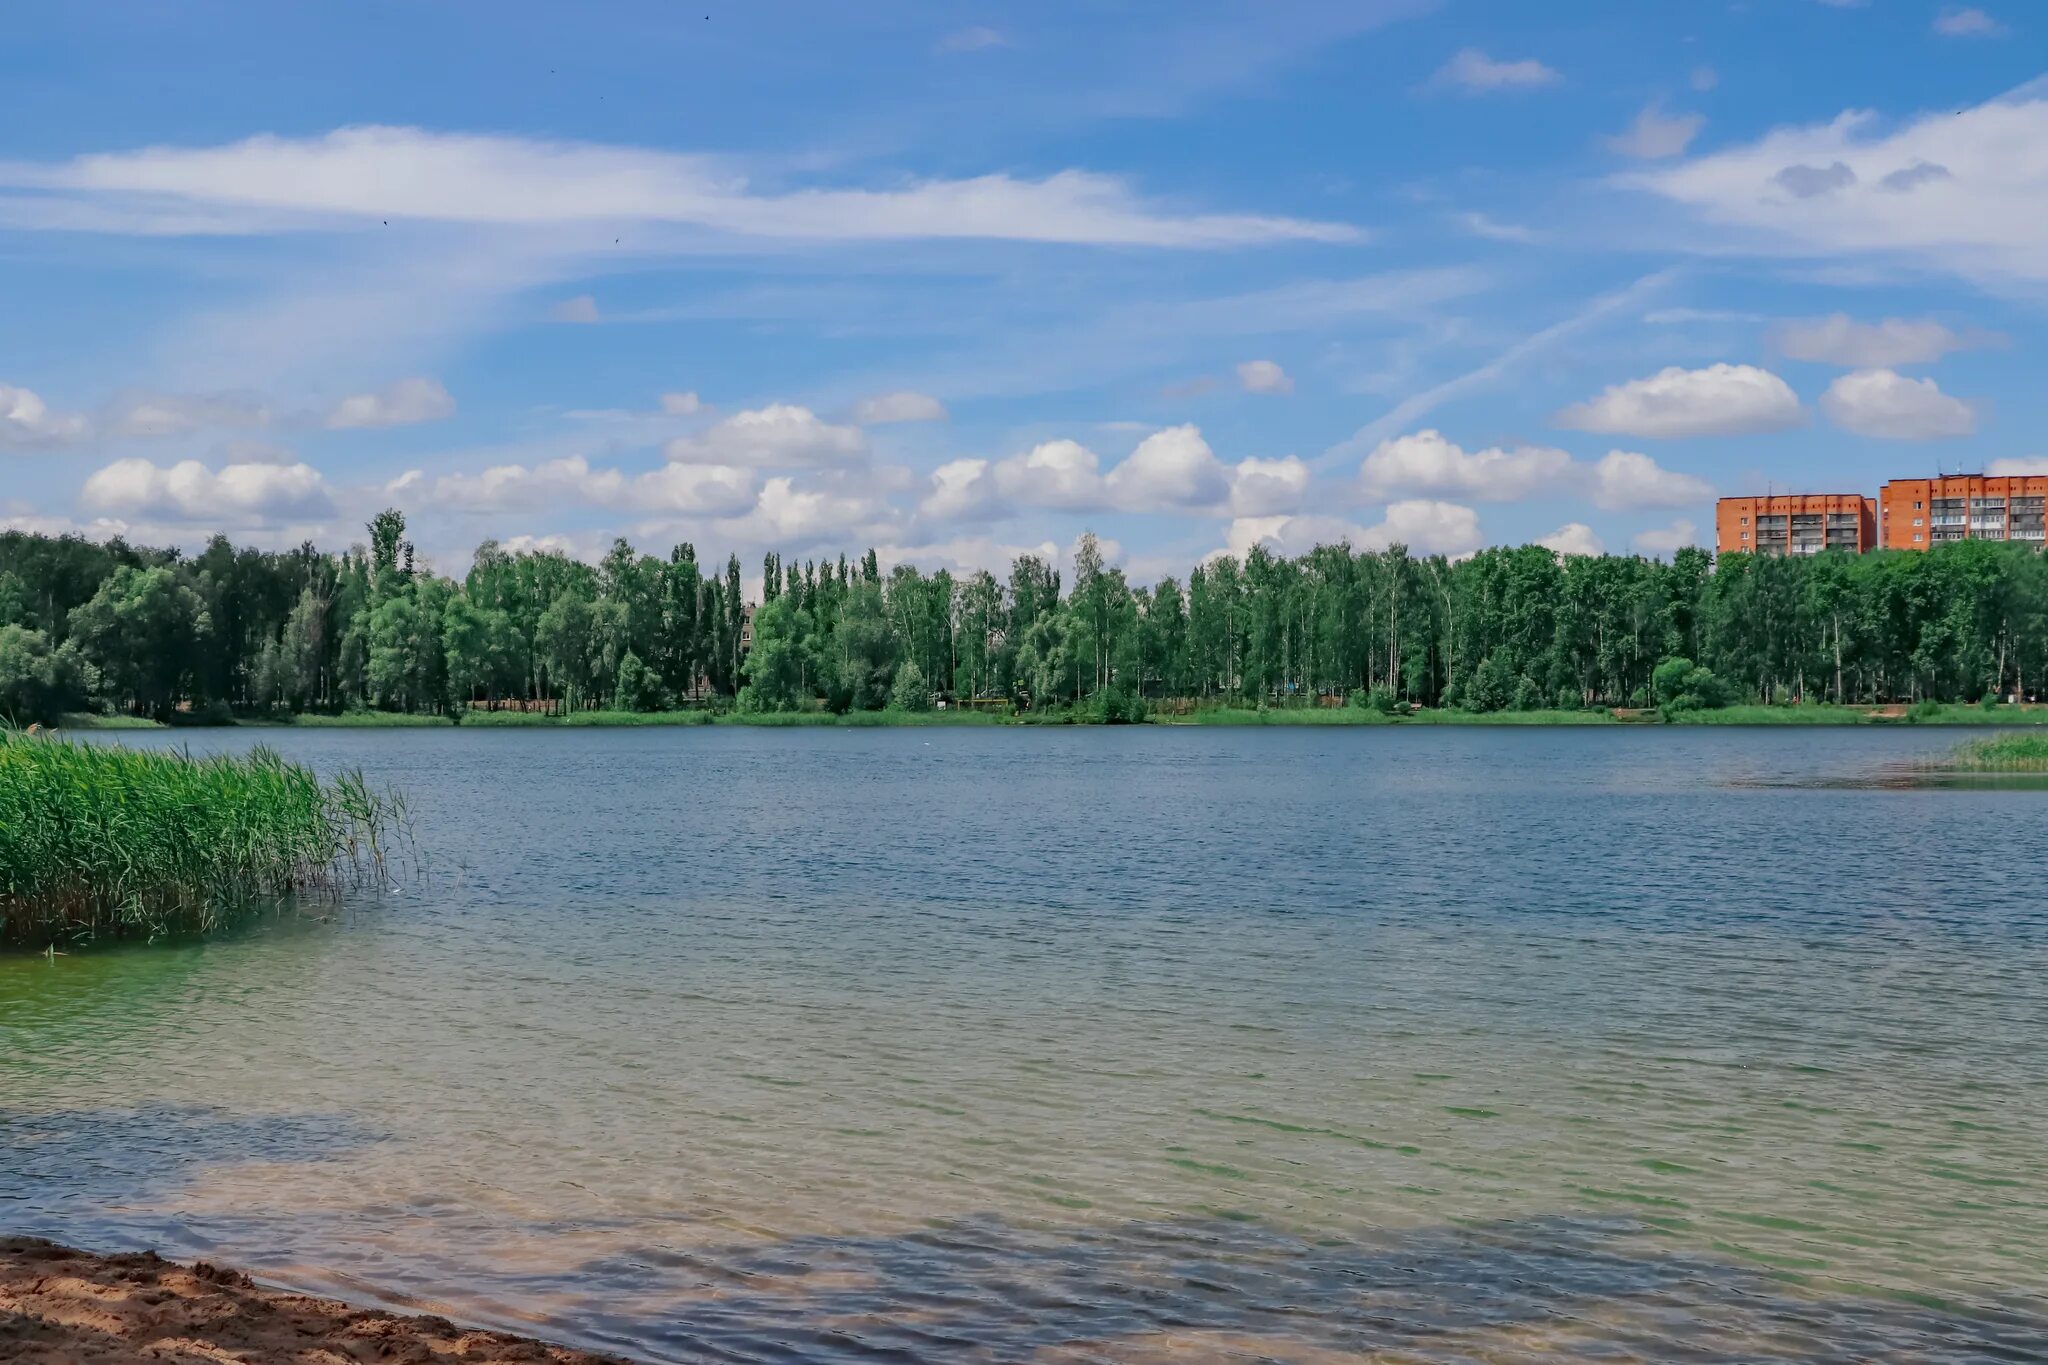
(1957, 716)
(63, 1306)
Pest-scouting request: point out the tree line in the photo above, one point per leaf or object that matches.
(238, 630)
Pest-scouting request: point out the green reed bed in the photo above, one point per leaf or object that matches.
(99, 842)
(2015, 753)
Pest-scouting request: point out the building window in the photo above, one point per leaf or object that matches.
(1916, 521)
(1745, 521)
(1916, 507)
(1745, 535)
(1916, 535)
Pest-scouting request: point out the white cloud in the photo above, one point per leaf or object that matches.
(1721, 400)
(1058, 474)
(582, 308)
(1474, 72)
(1964, 191)
(167, 414)
(978, 38)
(779, 436)
(369, 176)
(235, 495)
(1425, 527)
(1173, 468)
(1623, 480)
(2019, 467)
(901, 406)
(1264, 488)
(1705, 78)
(1961, 21)
(1665, 540)
(803, 517)
(26, 423)
(1656, 135)
(405, 403)
(965, 554)
(682, 404)
(717, 490)
(1492, 230)
(1573, 538)
(962, 490)
(1263, 376)
(1427, 462)
(1840, 340)
(1888, 406)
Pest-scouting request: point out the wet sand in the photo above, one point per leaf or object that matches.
(64, 1307)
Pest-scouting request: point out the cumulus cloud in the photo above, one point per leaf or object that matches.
(1656, 135)
(1493, 230)
(234, 495)
(149, 415)
(1058, 474)
(1623, 480)
(1425, 526)
(1840, 340)
(779, 436)
(1476, 73)
(2019, 467)
(1429, 463)
(1888, 406)
(1573, 538)
(681, 404)
(800, 518)
(368, 176)
(1964, 21)
(962, 490)
(901, 406)
(1264, 488)
(1721, 400)
(405, 403)
(582, 308)
(27, 423)
(1664, 541)
(717, 490)
(1174, 468)
(1964, 191)
(1263, 376)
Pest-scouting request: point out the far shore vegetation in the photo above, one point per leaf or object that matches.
(100, 842)
(1336, 636)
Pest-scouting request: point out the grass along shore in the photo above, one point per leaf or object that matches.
(1812, 713)
(101, 842)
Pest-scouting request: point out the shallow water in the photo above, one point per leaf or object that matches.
(1167, 1044)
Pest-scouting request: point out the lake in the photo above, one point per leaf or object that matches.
(1081, 1045)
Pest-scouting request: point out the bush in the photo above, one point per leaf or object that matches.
(639, 688)
(1114, 705)
(911, 692)
(1680, 685)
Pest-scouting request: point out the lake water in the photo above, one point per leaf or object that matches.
(1150, 1045)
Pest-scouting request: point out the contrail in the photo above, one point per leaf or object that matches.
(1413, 407)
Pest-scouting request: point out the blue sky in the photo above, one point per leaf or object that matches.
(962, 280)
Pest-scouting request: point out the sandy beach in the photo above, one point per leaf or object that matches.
(59, 1306)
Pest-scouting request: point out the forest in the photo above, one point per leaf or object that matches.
(228, 632)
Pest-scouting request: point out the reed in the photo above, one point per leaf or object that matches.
(2015, 753)
(99, 842)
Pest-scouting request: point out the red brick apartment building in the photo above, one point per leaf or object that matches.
(1919, 513)
(1907, 514)
(1796, 523)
